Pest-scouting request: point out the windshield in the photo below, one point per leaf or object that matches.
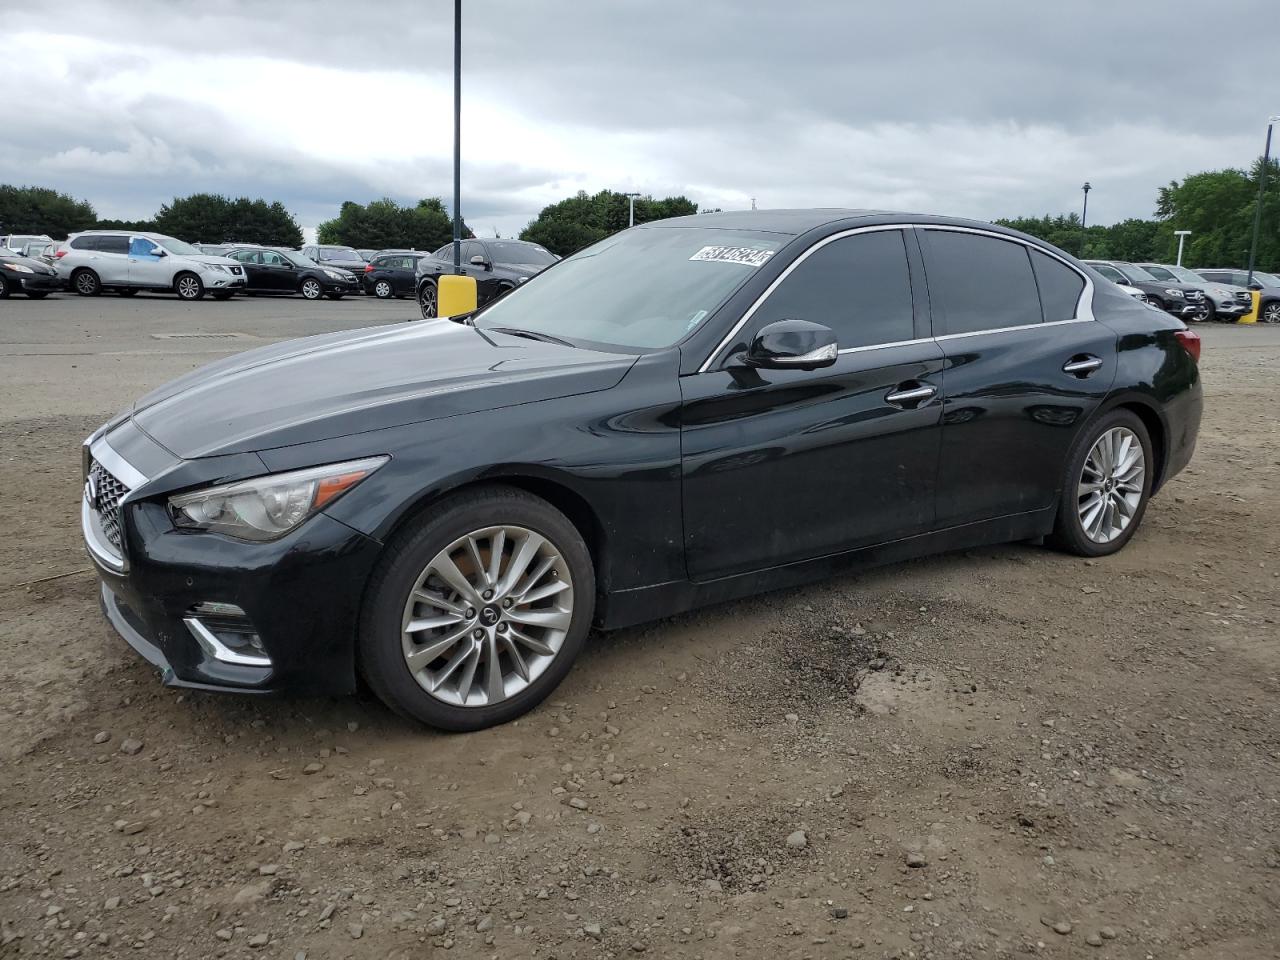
(1136, 273)
(1160, 273)
(297, 259)
(1266, 279)
(176, 246)
(339, 253)
(643, 288)
(518, 252)
(1183, 275)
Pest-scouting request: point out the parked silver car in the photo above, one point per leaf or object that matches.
(128, 261)
(1229, 302)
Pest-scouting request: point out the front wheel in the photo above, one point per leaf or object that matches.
(4, 287)
(1204, 313)
(311, 289)
(188, 286)
(478, 610)
(1271, 312)
(427, 300)
(1106, 486)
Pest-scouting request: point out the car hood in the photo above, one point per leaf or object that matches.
(39, 266)
(352, 266)
(334, 385)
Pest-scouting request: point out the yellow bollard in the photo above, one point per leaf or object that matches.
(455, 295)
(1252, 315)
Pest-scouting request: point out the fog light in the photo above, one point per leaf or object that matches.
(226, 634)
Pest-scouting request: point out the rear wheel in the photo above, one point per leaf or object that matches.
(86, 282)
(383, 290)
(477, 611)
(427, 300)
(188, 286)
(1271, 312)
(311, 289)
(1106, 486)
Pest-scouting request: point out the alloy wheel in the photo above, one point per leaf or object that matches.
(1271, 313)
(1203, 312)
(311, 289)
(487, 616)
(427, 301)
(86, 283)
(1111, 484)
(382, 289)
(188, 288)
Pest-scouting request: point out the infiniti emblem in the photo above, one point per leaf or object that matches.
(489, 616)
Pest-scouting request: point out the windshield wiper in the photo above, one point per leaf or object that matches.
(531, 335)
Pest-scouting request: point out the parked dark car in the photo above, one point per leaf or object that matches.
(274, 270)
(1185, 300)
(392, 273)
(341, 258)
(497, 265)
(691, 411)
(1267, 285)
(28, 275)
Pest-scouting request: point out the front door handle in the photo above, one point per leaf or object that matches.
(910, 396)
(1082, 365)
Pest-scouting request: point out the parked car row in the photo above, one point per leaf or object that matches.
(1196, 295)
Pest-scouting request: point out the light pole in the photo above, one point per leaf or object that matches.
(1084, 215)
(457, 136)
(631, 211)
(1262, 185)
(1181, 235)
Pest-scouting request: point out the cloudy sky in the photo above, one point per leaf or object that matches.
(973, 108)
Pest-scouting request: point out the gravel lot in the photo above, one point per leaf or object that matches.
(1002, 753)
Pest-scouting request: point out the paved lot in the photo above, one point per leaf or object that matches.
(1004, 753)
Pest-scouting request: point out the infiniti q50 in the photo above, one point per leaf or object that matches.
(690, 411)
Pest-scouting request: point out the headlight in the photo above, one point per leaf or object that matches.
(1172, 292)
(265, 508)
(1223, 295)
(18, 268)
(216, 266)
(334, 275)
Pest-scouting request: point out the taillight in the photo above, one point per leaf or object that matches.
(1190, 341)
(59, 254)
(368, 268)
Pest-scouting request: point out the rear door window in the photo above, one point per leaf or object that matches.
(113, 244)
(1060, 287)
(978, 283)
(859, 286)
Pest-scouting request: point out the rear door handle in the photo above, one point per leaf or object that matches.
(1082, 365)
(908, 396)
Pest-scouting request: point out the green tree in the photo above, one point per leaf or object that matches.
(212, 218)
(1218, 206)
(40, 210)
(581, 220)
(385, 224)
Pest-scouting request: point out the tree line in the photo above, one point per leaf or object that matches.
(1217, 206)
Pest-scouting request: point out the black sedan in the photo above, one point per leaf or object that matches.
(391, 273)
(272, 270)
(28, 275)
(691, 411)
(498, 266)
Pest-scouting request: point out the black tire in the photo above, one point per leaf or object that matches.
(311, 288)
(1270, 312)
(4, 287)
(1206, 313)
(383, 290)
(427, 299)
(86, 283)
(1068, 532)
(128, 291)
(188, 286)
(223, 294)
(31, 294)
(381, 657)
(1155, 301)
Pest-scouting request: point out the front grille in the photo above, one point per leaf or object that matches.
(1195, 295)
(106, 493)
(1243, 296)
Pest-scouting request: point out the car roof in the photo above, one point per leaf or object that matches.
(796, 222)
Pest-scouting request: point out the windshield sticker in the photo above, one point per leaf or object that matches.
(747, 256)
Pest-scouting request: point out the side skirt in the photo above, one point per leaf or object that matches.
(626, 608)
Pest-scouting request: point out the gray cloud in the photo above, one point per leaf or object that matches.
(981, 108)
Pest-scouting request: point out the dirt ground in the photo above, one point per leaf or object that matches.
(1002, 753)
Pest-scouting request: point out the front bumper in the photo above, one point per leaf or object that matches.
(300, 595)
(222, 281)
(39, 282)
(341, 286)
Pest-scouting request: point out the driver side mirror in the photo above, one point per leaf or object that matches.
(1255, 285)
(159, 252)
(479, 261)
(796, 344)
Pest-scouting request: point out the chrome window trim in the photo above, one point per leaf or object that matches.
(1084, 305)
(118, 466)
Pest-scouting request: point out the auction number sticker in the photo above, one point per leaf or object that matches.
(747, 256)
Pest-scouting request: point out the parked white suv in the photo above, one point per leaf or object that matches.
(127, 261)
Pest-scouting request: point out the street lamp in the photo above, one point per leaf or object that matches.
(631, 213)
(1181, 235)
(1262, 185)
(1084, 215)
